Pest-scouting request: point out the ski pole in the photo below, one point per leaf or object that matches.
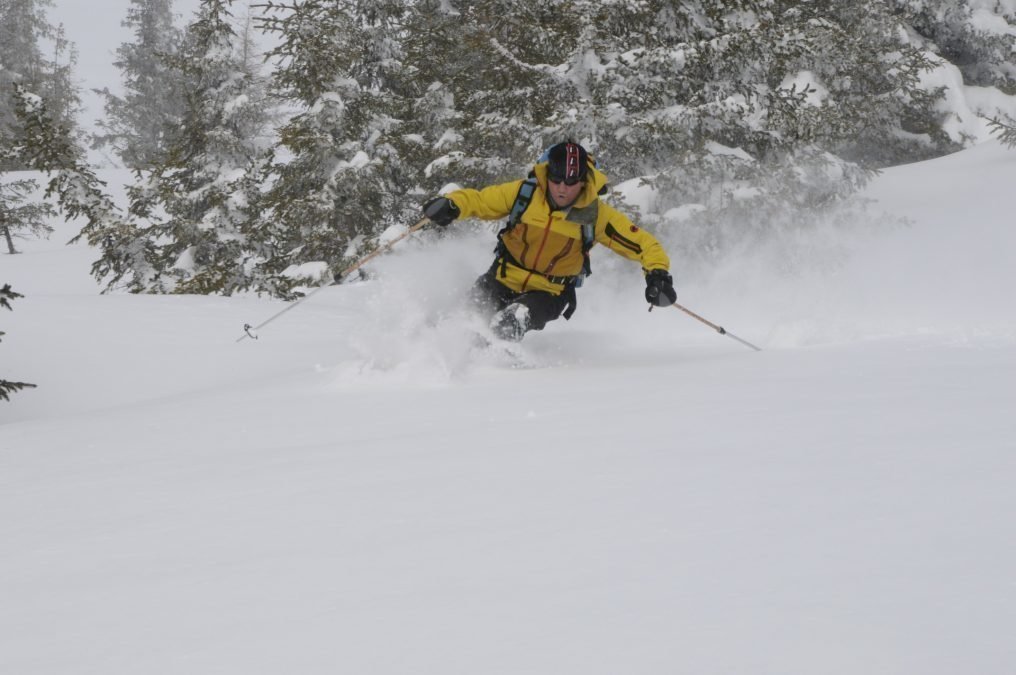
(719, 329)
(384, 248)
(339, 278)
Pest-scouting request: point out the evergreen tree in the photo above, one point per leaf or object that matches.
(141, 124)
(498, 83)
(344, 175)
(6, 387)
(49, 146)
(977, 36)
(202, 200)
(59, 89)
(24, 34)
(781, 107)
(748, 109)
(19, 219)
(762, 76)
(748, 113)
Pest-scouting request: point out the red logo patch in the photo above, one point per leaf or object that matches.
(634, 228)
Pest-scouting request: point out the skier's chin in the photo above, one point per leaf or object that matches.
(558, 206)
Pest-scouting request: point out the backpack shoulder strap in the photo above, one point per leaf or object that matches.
(586, 218)
(522, 200)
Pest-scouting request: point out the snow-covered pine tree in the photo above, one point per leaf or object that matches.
(973, 44)
(498, 81)
(140, 124)
(20, 218)
(735, 111)
(59, 87)
(342, 178)
(25, 32)
(641, 83)
(865, 83)
(6, 387)
(433, 124)
(201, 200)
(49, 146)
(977, 36)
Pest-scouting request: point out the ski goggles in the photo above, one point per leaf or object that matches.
(571, 180)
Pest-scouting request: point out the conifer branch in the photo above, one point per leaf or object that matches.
(6, 387)
(1005, 130)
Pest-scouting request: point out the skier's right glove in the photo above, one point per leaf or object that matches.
(660, 288)
(441, 210)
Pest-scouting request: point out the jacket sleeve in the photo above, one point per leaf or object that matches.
(490, 203)
(615, 231)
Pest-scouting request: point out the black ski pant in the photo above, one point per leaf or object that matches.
(490, 296)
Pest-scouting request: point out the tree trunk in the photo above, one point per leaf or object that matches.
(7, 235)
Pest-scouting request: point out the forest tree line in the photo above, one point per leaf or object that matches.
(273, 142)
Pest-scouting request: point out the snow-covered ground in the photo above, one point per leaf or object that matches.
(356, 492)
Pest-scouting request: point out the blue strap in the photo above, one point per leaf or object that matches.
(522, 200)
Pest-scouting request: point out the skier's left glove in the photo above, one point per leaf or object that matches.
(441, 210)
(660, 288)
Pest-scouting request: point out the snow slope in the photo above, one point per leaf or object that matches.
(355, 492)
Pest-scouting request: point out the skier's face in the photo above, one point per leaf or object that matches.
(564, 194)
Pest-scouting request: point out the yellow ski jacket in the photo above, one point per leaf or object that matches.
(545, 246)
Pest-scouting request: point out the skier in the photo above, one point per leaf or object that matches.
(554, 218)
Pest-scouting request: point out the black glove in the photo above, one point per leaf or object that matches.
(441, 210)
(660, 288)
